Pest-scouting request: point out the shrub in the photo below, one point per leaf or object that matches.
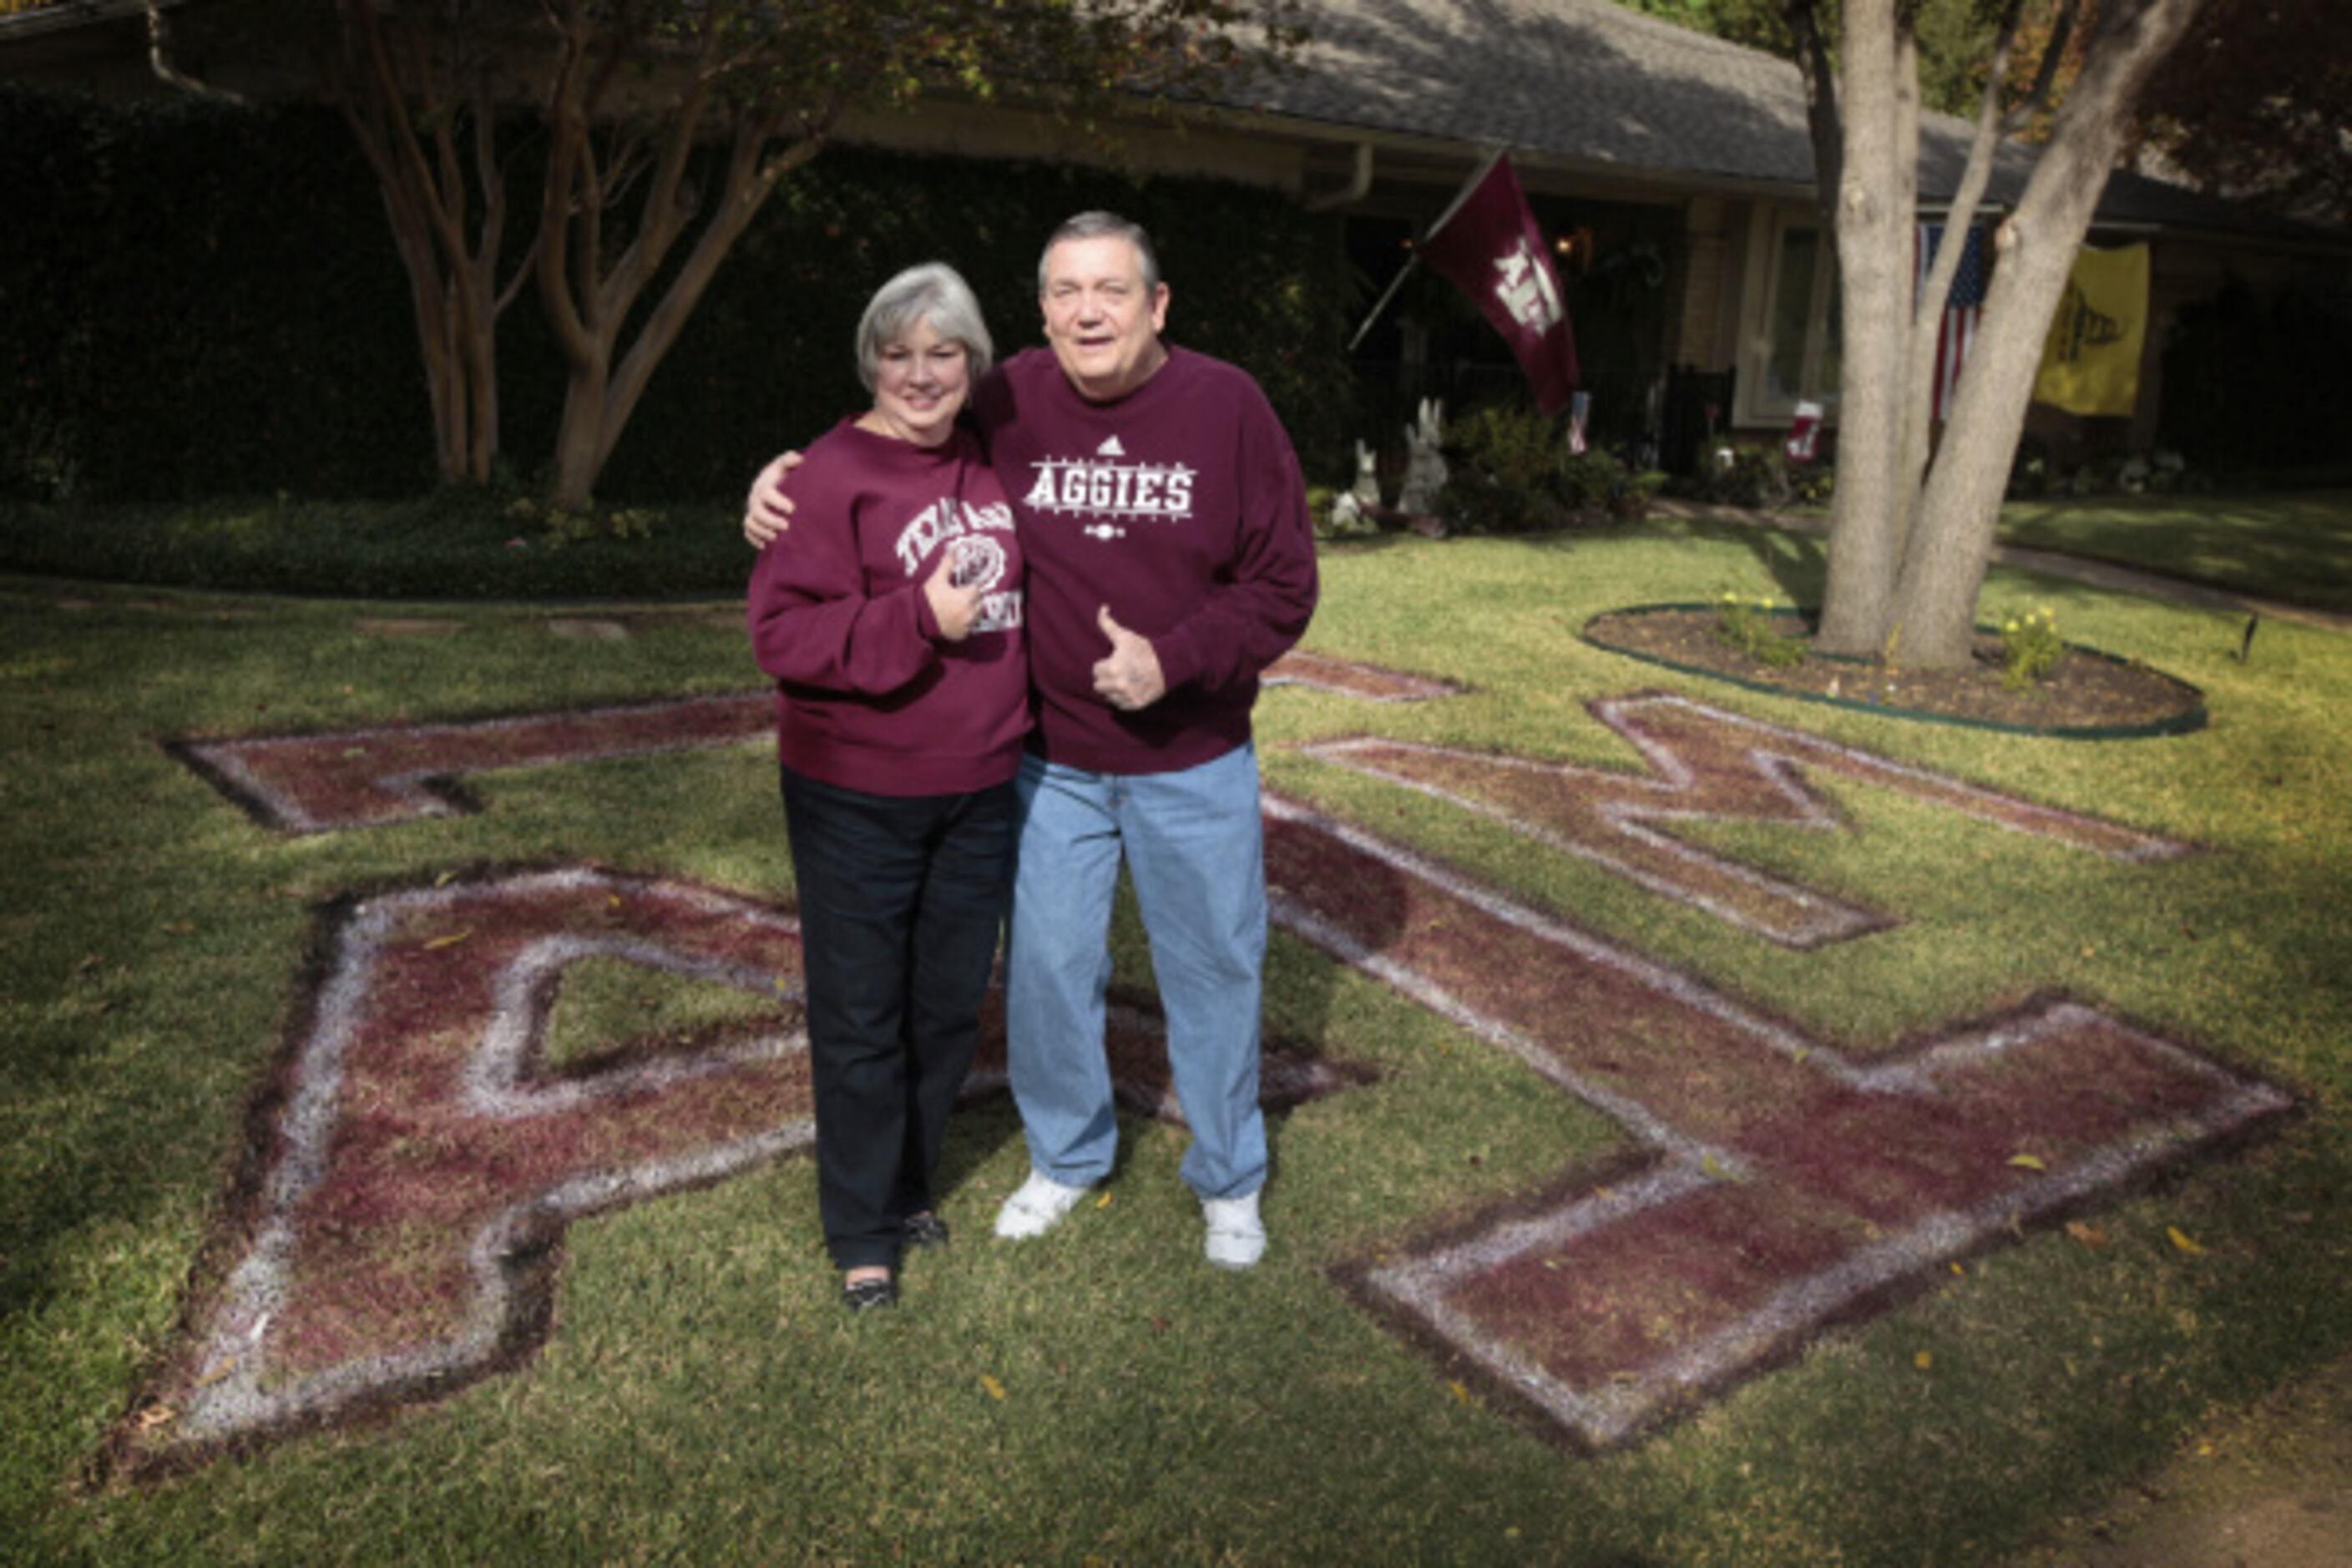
(1599, 483)
(1749, 626)
(207, 303)
(1509, 470)
(1759, 477)
(2031, 647)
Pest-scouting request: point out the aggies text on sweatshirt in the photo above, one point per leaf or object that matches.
(1181, 507)
(868, 695)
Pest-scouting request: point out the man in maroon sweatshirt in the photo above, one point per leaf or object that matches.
(1170, 559)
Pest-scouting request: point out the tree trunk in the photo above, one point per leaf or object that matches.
(590, 299)
(580, 445)
(374, 75)
(1960, 510)
(1872, 220)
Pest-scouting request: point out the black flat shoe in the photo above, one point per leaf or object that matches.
(927, 1230)
(868, 1294)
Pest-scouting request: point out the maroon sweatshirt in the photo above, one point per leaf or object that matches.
(870, 695)
(1181, 507)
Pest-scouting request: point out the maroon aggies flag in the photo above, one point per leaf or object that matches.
(1489, 246)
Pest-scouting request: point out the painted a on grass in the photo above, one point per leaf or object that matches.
(396, 1229)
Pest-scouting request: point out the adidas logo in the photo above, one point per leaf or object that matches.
(1110, 448)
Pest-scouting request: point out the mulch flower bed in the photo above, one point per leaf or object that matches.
(2088, 692)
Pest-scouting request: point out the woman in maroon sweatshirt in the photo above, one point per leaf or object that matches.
(891, 618)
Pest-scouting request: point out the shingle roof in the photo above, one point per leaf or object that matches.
(1590, 83)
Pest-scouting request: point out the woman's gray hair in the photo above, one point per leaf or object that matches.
(1104, 226)
(933, 293)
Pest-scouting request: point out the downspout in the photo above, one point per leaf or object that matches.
(1358, 183)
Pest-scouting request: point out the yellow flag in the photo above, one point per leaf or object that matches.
(2089, 363)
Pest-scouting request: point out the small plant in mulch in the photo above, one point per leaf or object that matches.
(1747, 623)
(2031, 647)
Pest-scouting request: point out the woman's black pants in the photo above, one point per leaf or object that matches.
(901, 901)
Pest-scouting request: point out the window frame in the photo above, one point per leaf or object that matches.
(1756, 402)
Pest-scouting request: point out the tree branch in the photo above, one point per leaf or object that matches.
(1823, 121)
(2062, 32)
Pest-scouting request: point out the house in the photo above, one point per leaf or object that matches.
(1674, 171)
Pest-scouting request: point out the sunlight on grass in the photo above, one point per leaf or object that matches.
(701, 1398)
(2295, 548)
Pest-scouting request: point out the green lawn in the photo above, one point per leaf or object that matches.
(2293, 547)
(701, 1398)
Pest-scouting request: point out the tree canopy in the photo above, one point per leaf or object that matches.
(2257, 103)
(660, 129)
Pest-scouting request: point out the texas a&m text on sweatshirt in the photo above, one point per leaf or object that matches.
(1181, 507)
(870, 695)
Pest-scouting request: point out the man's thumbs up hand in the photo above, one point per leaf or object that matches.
(1129, 678)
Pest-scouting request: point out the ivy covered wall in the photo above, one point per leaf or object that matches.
(199, 300)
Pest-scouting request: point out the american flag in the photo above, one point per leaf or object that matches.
(1956, 329)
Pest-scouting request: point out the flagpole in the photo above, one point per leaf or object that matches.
(1382, 302)
(1415, 260)
(1477, 177)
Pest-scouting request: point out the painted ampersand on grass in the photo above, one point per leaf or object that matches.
(419, 1159)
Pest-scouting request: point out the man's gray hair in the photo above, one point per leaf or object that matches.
(1104, 226)
(933, 293)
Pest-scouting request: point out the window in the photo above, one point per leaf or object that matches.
(1789, 342)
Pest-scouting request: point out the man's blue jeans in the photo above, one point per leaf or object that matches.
(1195, 850)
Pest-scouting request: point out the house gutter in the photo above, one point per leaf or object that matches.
(69, 14)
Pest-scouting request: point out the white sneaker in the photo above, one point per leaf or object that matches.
(1237, 1237)
(1037, 1207)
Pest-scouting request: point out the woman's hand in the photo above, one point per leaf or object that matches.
(954, 606)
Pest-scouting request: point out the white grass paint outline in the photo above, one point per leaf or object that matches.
(230, 1399)
(1638, 1398)
(414, 791)
(1825, 918)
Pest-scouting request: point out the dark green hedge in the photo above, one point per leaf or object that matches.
(2247, 386)
(198, 300)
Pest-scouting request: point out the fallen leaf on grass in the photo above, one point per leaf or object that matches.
(995, 1389)
(2090, 1236)
(2027, 1163)
(445, 878)
(1924, 1360)
(1960, 1269)
(1103, 1202)
(1460, 1394)
(155, 1415)
(1161, 1323)
(2180, 1240)
(452, 940)
(216, 1373)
